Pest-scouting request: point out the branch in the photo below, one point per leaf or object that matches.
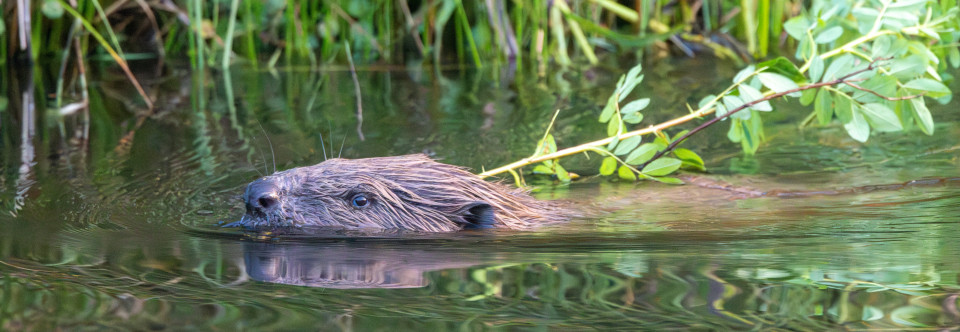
(661, 126)
(843, 80)
(880, 95)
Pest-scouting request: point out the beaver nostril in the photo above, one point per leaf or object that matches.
(267, 202)
(261, 196)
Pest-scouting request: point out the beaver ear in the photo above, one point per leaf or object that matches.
(478, 215)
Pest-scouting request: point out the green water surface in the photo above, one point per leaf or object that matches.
(111, 224)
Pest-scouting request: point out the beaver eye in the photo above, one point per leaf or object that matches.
(360, 200)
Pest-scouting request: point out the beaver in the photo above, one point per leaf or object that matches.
(411, 192)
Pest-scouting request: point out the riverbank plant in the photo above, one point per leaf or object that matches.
(466, 32)
(871, 66)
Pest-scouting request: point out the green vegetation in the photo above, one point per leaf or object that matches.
(869, 66)
(474, 32)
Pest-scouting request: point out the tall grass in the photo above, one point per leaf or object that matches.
(393, 31)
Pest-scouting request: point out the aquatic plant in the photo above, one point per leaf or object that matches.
(871, 66)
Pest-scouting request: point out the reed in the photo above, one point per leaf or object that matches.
(563, 32)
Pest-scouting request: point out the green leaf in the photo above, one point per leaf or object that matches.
(551, 144)
(743, 74)
(546, 145)
(842, 107)
(668, 180)
(661, 142)
(816, 69)
(720, 110)
(797, 27)
(880, 47)
(690, 158)
(614, 127)
(642, 154)
(608, 166)
(932, 88)
(703, 102)
(662, 166)
(804, 47)
(828, 35)
(626, 145)
(749, 94)
(907, 3)
(778, 83)
(783, 66)
(865, 17)
(613, 143)
(824, 108)
(625, 173)
(542, 169)
(562, 174)
(635, 106)
(908, 67)
(732, 103)
(838, 67)
(922, 115)
(632, 79)
(807, 96)
(751, 137)
(52, 9)
(882, 117)
(930, 33)
(953, 54)
(609, 109)
(858, 127)
(883, 85)
(633, 118)
(677, 135)
(735, 134)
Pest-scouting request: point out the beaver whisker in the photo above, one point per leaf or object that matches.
(323, 148)
(269, 143)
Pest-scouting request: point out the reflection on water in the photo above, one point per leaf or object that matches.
(119, 233)
(346, 265)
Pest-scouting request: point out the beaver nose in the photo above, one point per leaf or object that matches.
(261, 196)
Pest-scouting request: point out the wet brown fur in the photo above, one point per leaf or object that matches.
(411, 192)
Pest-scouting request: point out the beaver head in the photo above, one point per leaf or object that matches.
(410, 192)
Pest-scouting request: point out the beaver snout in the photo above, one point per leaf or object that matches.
(261, 197)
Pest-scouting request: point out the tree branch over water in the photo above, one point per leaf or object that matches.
(846, 79)
(593, 146)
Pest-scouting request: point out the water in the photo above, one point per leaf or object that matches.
(113, 226)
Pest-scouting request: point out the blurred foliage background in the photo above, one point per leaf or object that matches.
(393, 32)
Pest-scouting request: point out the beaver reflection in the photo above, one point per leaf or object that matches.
(347, 265)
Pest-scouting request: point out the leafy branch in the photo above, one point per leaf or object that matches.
(844, 83)
(846, 79)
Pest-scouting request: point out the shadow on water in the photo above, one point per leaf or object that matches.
(112, 223)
